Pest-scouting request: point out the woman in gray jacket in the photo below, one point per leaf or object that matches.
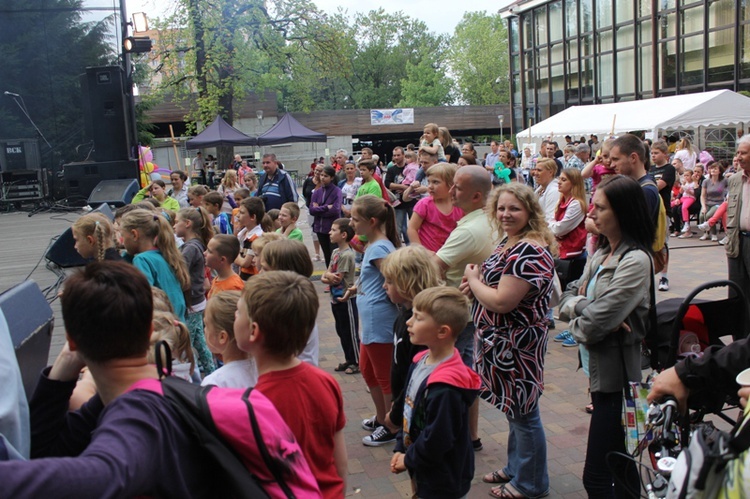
(608, 307)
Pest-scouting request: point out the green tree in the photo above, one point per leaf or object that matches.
(425, 84)
(45, 50)
(478, 58)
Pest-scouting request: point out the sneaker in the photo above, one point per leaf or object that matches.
(569, 341)
(703, 237)
(663, 284)
(380, 436)
(704, 226)
(370, 424)
(686, 227)
(724, 241)
(477, 444)
(714, 238)
(562, 336)
(685, 235)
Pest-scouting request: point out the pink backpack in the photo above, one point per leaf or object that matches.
(244, 434)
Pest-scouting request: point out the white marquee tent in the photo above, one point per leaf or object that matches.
(691, 111)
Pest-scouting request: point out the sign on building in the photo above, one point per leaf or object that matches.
(400, 116)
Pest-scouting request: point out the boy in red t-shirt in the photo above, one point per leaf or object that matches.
(308, 398)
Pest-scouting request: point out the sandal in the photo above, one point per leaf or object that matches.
(505, 491)
(496, 476)
(341, 367)
(352, 369)
(589, 409)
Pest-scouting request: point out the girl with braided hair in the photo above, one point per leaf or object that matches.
(94, 237)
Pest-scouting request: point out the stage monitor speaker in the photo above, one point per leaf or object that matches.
(107, 112)
(30, 321)
(114, 193)
(63, 251)
(82, 178)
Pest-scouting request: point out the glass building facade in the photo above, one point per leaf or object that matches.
(577, 52)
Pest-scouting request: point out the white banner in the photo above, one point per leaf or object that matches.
(400, 116)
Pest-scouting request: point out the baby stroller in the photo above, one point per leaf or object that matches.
(688, 326)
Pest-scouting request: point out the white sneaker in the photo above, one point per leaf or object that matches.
(704, 226)
(724, 241)
(714, 238)
(686, 227)
(704, 236)
(663, 284)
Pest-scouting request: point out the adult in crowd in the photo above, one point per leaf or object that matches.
(338, 162)
(665, 175)
(713, 192)
(310, 185)
(394, 181)
(511, 292)
(580, 157)
(510, 162)
(452, 152)
(276, 186)
(550, 150)
(179, 189)
(469, 243)
(493, 157)
(349, 186)
(545, 172)
(326, 207)
(685, 152)
(608, 311)
(243, 170)
(568, 226)
(199, 168)
(467, 148)
(738, 218)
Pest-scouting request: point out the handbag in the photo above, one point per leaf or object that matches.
(634, 417)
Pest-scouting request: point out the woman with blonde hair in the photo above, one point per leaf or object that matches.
(568, 226)
(511, 292)
(546, 186)
(684, 152)
(229, 184)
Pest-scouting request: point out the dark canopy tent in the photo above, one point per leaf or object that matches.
(287, 130)
(220, 133)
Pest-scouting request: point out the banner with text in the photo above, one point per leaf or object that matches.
(400, 116)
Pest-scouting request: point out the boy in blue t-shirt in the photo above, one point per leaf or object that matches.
(434, 443)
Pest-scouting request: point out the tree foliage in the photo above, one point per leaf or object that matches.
(44, 52)
(479, 59)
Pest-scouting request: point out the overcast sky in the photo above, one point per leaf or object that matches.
(441, 16)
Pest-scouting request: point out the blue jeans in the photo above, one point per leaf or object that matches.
(527, 455)
(402, 222)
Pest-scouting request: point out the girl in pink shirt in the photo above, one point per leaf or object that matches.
(435, 216)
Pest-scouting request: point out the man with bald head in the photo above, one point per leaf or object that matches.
(470, 242)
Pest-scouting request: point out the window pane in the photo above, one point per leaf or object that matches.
(626, 71)
(587, 45)
(541, 57)
(514, 35)
(555, 21)
(587, 18)
(624, 12)
(720, 13)
(668, 23)
(603, 14)
(540, 25)
(571, 18)
(692, 20)
(528, 32)
(587, 77)
(721, 51)
(605, 40)
(644, 8)
(667, 67)
(646, 62)
(605, 76)
(645, 32)
(625, 36)
(556, 53)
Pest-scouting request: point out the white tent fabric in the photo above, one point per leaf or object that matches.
(709, 109)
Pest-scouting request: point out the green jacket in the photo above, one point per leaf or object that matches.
(169, 203)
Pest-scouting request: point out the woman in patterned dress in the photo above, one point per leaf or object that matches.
(511, 292)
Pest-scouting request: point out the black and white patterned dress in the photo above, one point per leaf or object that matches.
(509, 350)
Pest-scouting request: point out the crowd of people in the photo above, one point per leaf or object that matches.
(440, 271)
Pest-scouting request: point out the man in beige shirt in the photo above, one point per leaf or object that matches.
(738, 219)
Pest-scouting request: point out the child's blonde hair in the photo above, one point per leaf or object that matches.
(98, 226)
(410, 156)
(176, 334)
(433, 128)
(161, 300)
(156, 227)
(220, 311)
(443, 171)
(446, 305)
(201, 223)
(261, 241)
(230, 179)
(411, 270)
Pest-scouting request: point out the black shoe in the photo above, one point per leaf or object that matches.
(380, 436)
(477, 444)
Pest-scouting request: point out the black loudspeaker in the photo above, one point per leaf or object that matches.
(106, 112)
(82, 178)
(114, 192)
(30, 321)
(63, 251)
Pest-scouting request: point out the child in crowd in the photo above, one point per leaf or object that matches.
(288, 216)
(251, 213)
(430, 141)
(287, 254)
(407, 272)
(222, 221)
(434, 443)
(229, 184)
(239, 370)
(239, 195)
(274, 216)
(373, 218)
(176, 334)
(260, 243)
(599, 169)
(251, 182)
(221, 251)
(340, 276)
(411, 168)
(149, 240)
(195, 195)
(435, 217)
(309, 399)
(193, 225)
(158, 192)
(685, 201)
(369, 184)
(94, 237)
